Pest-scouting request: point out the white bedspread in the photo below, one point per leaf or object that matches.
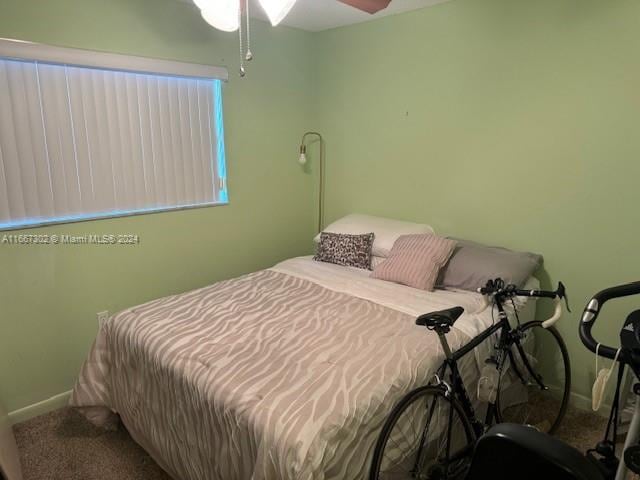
(358, 283)
(283, 374)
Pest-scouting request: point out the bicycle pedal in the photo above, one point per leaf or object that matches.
(607, 465)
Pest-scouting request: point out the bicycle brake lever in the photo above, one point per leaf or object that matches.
(562, 293)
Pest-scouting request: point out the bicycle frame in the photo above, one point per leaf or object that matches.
(508, 336)
(459, 391)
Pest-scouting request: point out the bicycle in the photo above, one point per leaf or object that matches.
(431, 432)
(515, 445)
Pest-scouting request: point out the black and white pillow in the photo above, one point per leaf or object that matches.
(346, 250)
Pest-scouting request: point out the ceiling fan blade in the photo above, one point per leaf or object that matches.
(369, 6)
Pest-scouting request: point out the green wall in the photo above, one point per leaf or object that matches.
(512, 122)
(49, 295)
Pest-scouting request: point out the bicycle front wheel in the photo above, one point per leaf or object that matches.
(536, 380)
(426, 437)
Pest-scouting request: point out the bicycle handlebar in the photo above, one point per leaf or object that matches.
(497, 288)
(592, 310)
(557, 313)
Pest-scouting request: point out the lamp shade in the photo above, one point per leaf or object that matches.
(220, 14)
(276, 10)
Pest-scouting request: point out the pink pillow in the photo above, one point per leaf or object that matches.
(415, 260)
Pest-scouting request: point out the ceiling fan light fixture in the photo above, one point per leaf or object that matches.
(276, 10)
(220, 14)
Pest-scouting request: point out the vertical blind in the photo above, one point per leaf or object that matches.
(84, 142)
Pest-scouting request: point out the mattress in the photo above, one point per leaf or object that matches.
(286, 373)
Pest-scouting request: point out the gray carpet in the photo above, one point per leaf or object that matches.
(581, 428)
(63, 446)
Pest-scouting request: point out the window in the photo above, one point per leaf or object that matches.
(78, 141)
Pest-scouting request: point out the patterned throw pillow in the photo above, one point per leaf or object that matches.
(415, 260)
(346, 250)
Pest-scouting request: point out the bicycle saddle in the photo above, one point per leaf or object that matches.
(443, 318)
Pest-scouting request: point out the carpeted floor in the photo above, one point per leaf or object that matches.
(582, 429)
(63, 446)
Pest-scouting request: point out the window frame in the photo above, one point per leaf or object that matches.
(19, 50)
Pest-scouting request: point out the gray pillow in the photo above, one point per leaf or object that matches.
(472, 264)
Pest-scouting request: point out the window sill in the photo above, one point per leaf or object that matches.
(35, 223)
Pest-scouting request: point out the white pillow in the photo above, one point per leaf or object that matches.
(375, 261)
(386, 230)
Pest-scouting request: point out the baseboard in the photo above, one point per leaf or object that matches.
(40, 408)
(584, 403)
(580, 401)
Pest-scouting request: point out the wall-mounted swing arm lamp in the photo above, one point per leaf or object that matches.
(303, 161)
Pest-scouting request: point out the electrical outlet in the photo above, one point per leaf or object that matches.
(102, 317)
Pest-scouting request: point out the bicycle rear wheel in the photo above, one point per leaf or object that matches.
(534, 388)
(427, 436)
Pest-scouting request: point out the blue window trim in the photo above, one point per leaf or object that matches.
(46, 221)
(223, 194)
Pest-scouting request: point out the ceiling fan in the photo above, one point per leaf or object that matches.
(232, 15)
(224, 14)
(369, 6)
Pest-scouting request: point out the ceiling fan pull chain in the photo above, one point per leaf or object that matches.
(249, 56)
(242, 71)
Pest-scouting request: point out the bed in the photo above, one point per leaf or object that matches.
(286, 373)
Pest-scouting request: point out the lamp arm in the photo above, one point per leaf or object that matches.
(307, 134)
(321, 180)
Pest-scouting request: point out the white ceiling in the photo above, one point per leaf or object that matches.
(317, 15)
